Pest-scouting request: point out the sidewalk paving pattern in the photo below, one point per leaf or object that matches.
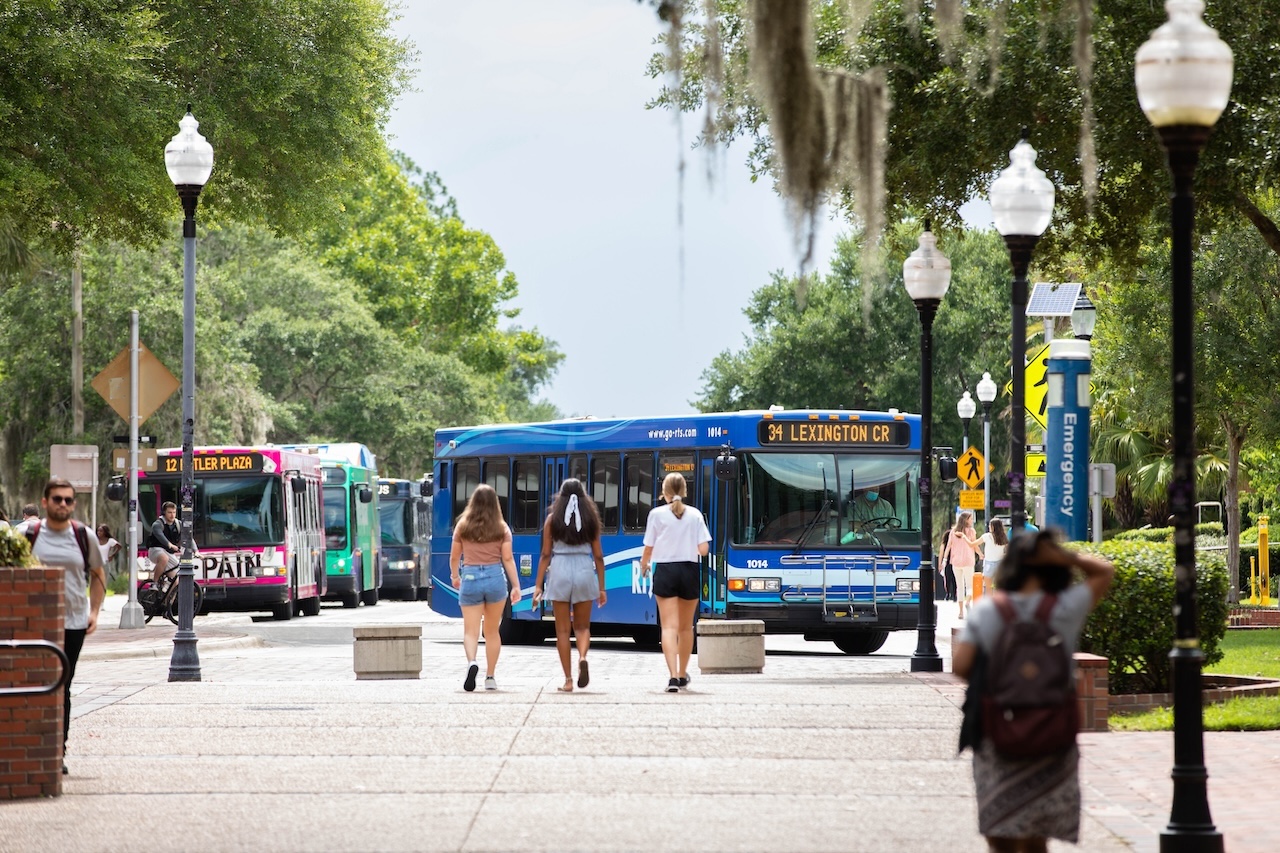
(280, 748)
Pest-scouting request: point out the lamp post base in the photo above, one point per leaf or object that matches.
(132, 616)
(184, 665)
(1191, 841)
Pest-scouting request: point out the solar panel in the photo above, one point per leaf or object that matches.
(1053, 299)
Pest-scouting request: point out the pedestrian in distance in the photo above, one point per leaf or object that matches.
(674, 538)
(107, 545)
(1024, 802)
(62, 542)
(30, 513)
(481, 552)
(994, 542)
(964, 549)
(571, 574)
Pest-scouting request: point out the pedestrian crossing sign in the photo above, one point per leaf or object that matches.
(972, 467)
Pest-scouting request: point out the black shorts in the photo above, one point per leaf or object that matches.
(676, 580)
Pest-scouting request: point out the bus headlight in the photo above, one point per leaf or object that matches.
(764, 584)
(400, 564)
(908, 584)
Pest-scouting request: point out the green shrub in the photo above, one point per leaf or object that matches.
(1133, 627)
(119, 583)
(1147, 534)
(1210, 528)
(1249, 534)
(15, 550)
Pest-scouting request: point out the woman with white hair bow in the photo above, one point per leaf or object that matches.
(571, 551)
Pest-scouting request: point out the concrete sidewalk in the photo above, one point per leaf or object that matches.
(282, 749)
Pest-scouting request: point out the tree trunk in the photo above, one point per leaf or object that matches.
(1270, 233)
(77, 347)
(1235, 443)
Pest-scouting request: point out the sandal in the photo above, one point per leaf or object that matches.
(584, 675)
(568, 686)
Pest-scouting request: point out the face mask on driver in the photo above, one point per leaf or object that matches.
(873, 496)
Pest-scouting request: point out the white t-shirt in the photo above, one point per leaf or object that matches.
(58, 548)
(991, 552)
(675, 540)
(106, 547)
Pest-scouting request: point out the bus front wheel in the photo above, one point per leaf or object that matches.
(861, 644)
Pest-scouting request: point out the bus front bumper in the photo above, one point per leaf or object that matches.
(809, 618)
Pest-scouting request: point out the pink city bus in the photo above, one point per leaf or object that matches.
(258, 527)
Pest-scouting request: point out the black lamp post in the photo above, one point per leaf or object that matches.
(188, 158)
(1183, 77)
(986, 396)
(1021, 204)
(926, 275)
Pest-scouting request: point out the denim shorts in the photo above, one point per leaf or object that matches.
(482, 585)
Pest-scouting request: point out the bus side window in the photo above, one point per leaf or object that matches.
(639, 491)
(526, 518)
(578, 468)
(605, 469)
(497, 473)
(466, 476)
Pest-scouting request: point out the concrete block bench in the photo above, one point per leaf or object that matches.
(730, 645)
(388, 651)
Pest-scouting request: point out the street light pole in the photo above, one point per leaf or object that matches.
(987, 396)
(1022, 205)
(1183, 77)
(966, 409)
(188, 158)
(926, 274)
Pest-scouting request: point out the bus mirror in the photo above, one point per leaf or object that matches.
(366, 494)
(116, 489)
(424, 488)
(947, 469)
(298, 485)
(726, 468)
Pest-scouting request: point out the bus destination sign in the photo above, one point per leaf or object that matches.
(836, 433)
(215, 463)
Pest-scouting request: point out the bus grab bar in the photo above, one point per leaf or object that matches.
(38, 689)
(864, 562)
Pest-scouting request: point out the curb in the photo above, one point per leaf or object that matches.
(164, 649)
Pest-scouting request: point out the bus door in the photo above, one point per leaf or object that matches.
(555, 471)
(712, 502)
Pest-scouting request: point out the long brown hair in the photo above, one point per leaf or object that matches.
(997, 532)
(482, 520)
(674, 489)
(567, 533)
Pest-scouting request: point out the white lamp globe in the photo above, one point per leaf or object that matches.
(966, 408)
(188, 158)
(1022, 197)
(987, 389)
(926, 273)
(1183, 72)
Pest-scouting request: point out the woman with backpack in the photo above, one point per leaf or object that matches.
(572, 556)
(1023, 801)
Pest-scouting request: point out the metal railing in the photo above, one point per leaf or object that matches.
(864, 609)
(37, 689)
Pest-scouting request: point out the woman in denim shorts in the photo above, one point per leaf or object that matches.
(571, 552)
(481, 551)
(674, 538)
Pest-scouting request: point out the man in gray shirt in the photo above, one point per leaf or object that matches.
(58, 544)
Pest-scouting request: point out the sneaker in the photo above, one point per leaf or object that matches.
(673, 685)
(470, 683)
(683, 682)
(490, 683)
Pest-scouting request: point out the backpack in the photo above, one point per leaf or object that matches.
(82, 539)
(1029, 708)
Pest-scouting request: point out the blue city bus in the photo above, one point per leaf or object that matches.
(404, 521)
(786, 548)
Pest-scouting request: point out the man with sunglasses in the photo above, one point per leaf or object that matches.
(60, 541)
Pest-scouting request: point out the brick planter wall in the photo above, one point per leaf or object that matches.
(31, 608)
(1216, 689)
(1253, 617)
(1092, 692)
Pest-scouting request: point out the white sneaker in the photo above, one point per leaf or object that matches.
(490, 683)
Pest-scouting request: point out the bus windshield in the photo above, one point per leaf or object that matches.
(395, 519)
(230, 511)
(335, 517)
(828, 499)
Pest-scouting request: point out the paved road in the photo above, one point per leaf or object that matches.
(280, 748)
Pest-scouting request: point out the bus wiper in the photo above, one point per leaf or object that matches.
(809, 528)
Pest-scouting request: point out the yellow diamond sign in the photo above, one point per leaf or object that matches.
(1036, 390)
(972, 468)
(155, 383)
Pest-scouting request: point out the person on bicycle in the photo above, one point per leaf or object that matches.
(163, 540)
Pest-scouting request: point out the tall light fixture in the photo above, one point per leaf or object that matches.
(188, 158)
(926, 274)
(1022, 205)
(986, 396)
(966, 409)
(1183, 77)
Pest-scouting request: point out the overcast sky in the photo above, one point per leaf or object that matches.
(533, 115)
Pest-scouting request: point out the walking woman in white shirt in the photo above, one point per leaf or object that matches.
(675, 536)
(994, 541)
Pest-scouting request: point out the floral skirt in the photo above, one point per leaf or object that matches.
(1036, 798)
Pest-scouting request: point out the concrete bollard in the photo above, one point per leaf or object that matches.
(735, 645)
(388, 651)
